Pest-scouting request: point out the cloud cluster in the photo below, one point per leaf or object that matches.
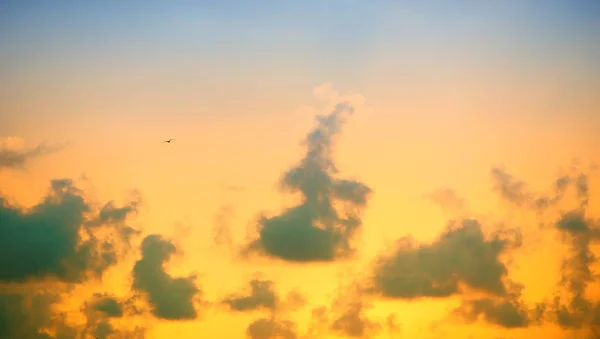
(61, 241)
(64, 240)
(99, 312)
(53, 238)
(261, 295)
(575, 309)
(315, 230)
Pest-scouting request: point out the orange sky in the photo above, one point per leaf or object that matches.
(419, 126)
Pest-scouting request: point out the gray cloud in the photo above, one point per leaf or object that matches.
(17, 159)
(577, 275)
(24, 314)
(108, 305)
(352, 321)
(46, 239)
(505, 313)
(511, 189)
(346, 316)
(462, 254)
(271, 329)
(314, 230)
(170, 298)
(100, 310)
(262, 295)
(574, 310)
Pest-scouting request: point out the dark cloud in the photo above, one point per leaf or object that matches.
(504, 312)
(559, 188)
(100, 310)
(261, 295)
(462, 254)
(346, 316)
(508, 187)
(580, 232)
(170, 298)
(24, 315)
(53, 238)
(515, 191)
(109, 305)
(271, 329)
(315, 230)
(17, 159)
(575, 310)
(352, 321)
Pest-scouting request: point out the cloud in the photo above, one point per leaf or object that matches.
(327, 98)
(461, 255)
(500, 312)
(575, 310)
(392, 325)
(271, 329)
(100, 312)
(352, 322)
(315, 230)
(221, 230)
(447, 198)
(508, 187)
(170, 298)
(108, 305)
(54, 239)
(261, 295)
(346, 316)
(516, 192)
(12, 156)
(28, 314)
(61, 241)
(580, 232)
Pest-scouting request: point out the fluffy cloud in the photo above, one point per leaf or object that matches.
(108, 305)
(315, 230)
(170, 298)
(261, 295)
(59, 242)
(54, 239)
(352, 321)
(347, 316)
(271, 329)
(461, 254)
(29, 314)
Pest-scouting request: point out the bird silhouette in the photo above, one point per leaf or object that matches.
(168, 141)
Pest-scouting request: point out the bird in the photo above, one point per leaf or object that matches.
(168, 141)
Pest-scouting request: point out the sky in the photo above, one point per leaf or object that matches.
(339, 169)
